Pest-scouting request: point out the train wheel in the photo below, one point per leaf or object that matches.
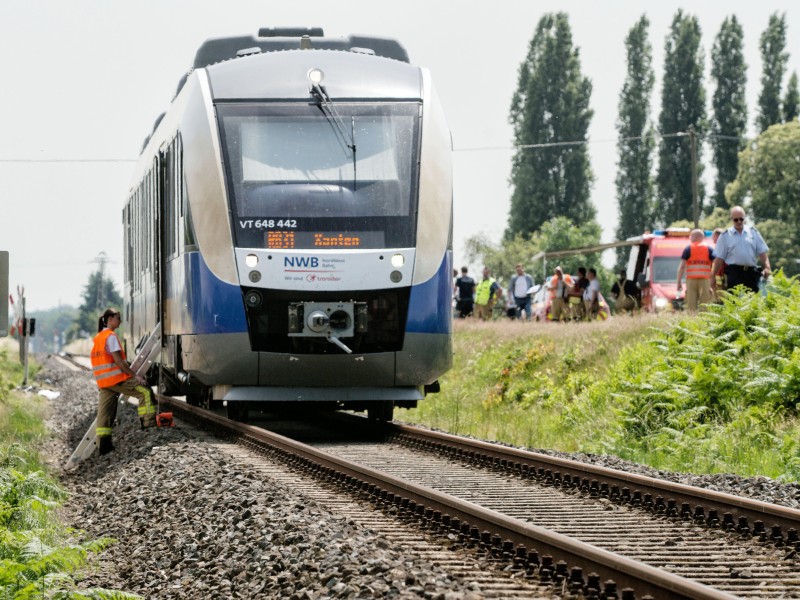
(168, 385)
(202, 396)
(237, 411)
(380, 411)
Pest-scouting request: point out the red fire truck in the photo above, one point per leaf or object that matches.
(653, 264)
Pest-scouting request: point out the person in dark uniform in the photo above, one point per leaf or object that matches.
(626, 293)
(465, 294)
(740, 248)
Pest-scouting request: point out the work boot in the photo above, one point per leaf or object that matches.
(104, 445)
(148, 421)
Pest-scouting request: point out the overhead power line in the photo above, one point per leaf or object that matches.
(587, 142)
(67, 160)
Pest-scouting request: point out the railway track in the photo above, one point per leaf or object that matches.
(587, 529)
(584, 528)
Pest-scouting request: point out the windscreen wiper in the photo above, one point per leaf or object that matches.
(328, 109)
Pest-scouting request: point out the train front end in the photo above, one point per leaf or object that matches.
(337, 169)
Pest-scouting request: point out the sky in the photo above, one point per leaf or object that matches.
(84, 80)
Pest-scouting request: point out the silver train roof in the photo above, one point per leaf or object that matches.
(272, 39)
(284, 75)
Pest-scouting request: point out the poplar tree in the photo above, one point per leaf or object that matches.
(773, 60)
(550, 107)
(635, 141)
(791, 102)
(682, 107)
(729, 121)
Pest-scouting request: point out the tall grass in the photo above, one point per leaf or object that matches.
(712, 393)
(511, 380)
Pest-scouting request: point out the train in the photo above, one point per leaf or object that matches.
(289, 226)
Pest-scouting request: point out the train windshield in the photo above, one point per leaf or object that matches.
(304, 177)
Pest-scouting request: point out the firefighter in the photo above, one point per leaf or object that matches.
(696, 263)
(114, 377)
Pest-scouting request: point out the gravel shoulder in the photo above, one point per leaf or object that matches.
(192, 523)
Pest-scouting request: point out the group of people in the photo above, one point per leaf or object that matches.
(573, 299)
(734, 261)
(480, 298)
(476, 298)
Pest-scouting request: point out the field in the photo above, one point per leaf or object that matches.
(714, 393)
(511, 381)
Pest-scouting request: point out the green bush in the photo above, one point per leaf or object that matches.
(37, 560)
(718, 391)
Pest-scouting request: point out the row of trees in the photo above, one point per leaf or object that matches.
(550, 113)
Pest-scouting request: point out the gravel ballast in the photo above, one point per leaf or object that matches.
(190, 523)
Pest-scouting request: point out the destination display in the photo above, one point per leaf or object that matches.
(289, 240)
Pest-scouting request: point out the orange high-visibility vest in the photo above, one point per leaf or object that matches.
(699, 264)
(106, 371)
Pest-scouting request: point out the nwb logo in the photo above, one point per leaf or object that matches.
(298, 261)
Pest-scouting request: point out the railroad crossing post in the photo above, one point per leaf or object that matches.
(24, 342)
(3, 293)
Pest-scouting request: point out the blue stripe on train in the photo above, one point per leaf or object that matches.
(217, 307)
(430, 308)
(213, 305)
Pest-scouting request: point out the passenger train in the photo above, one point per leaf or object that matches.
(289, 224)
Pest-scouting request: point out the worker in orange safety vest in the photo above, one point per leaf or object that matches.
(696, 262)
(114, 377)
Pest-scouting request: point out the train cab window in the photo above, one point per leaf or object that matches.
(354, 169)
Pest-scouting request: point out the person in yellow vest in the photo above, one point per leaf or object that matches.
(485, 294)
(696, 262)
(114, 377)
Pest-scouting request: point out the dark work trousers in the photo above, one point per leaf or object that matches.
(740, 275)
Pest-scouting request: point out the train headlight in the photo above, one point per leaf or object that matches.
(253, 299)
(398, 260)
(396, 276)
(254, 276)
(315, 76)
(251, 260)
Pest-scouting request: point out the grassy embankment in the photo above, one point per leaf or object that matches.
(713, 393)
(37, 559)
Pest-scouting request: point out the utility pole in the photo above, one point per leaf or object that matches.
(695, 203)
(101, 260)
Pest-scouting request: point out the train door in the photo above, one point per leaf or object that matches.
(169, 243)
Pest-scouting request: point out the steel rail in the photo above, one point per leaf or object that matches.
(626, 573)
(703, 503)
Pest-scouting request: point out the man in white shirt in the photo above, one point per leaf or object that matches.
(591, 295)
(520, 284)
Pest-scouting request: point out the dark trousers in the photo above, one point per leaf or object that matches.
(523, 306)
(746, 276)
(465, 307)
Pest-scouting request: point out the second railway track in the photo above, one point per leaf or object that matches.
(570, 523)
